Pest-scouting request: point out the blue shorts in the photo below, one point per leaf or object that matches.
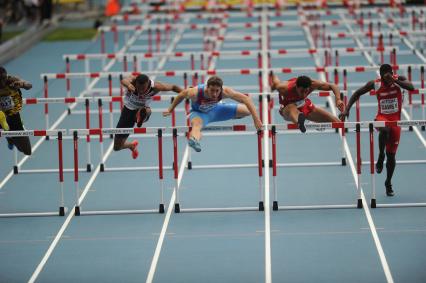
(222, 112)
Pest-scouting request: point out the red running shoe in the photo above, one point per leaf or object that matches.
(134, 149)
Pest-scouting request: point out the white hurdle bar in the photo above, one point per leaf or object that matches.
(41, 133)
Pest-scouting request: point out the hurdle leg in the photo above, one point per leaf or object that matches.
(358, 163)
(260, 167)
(61, 176)
(77, 190)
(274, 167)
(15, 157)
(160, 169)
(175, 170)
(101, 142)
(373, 180)
(89, 161)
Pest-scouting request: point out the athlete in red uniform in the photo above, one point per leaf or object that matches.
(389, 99)
(296, 107)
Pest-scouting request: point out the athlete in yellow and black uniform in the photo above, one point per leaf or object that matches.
(10, 105)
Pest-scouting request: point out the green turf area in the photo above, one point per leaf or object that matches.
(71, 34)
(10, 34)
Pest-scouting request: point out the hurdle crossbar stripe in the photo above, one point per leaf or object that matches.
(30, 133)
(248, 71)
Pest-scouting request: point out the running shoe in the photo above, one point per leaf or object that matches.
(192, 142)
(389, 190)
(134, 149)
(301, 122)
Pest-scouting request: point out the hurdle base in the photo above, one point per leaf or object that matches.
(317, 207)
(15, 170)
(261, 206)
(89, 168)
(111, 136)
(69, 111)
(189, 165)
(102, 167)
(77, 211)
(410, 128)
(177, 208)
(423, 128)
(47, 138)
(275, 205)
(344, 161)
(219, 209)
(373, 203)
(327, 105)
(161, 208)
(61, 211)
(28, 214)
(359, 203)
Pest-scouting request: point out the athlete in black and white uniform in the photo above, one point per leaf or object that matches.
(140, 91)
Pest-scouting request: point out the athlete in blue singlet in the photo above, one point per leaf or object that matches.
(207, 106)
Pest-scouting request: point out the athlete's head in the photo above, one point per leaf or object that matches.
(386, 73)
(303, 85)
(214, 86)
(142, 84)
(3, 76)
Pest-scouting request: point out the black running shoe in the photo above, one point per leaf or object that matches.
(379, 164)
(301, 122)
(389, 190)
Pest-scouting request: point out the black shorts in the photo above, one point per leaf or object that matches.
(15, 122)
(128, 119)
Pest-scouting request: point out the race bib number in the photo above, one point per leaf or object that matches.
(389, 106)
(6, 103)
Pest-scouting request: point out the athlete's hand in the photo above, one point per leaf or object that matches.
(258, 124)
(340, 105)
(131, 88)
(344, 114)
(167, 113)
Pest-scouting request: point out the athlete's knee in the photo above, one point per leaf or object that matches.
(390, 159)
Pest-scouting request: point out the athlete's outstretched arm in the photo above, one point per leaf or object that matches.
(186, 93)
(404, 83)
(167, 87)
(238, 96)
(16, 82)
(320, 85)
(355, 96)
(128, 83)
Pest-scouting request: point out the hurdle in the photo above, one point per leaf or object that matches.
(100, 132)
(376, 124)
(260, 163)
(60, 170)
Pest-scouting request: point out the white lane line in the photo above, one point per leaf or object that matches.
(268, 257)
(160, 242)
(370, 221)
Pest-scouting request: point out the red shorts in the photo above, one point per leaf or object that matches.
(306, 109)
(395, 134)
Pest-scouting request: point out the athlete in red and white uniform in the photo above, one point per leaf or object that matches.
(387, 89)
(296, 107)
